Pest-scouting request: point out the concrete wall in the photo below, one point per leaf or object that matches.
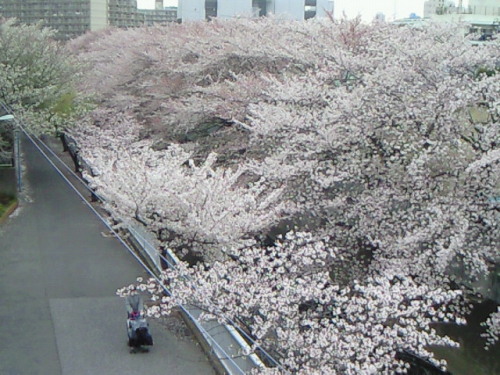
(286, 9)
(232, 8)
(191, 10)
(98, 14)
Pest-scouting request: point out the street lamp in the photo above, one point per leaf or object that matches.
(17, 153)
(6, 118)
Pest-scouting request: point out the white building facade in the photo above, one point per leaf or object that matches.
(432, 7)
(478, 7)
(190, 10)
(485, 7)
(235, 8)
(293, 10)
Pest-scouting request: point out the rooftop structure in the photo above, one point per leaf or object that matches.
(485, 26)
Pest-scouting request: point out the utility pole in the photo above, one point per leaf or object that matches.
(17, 159)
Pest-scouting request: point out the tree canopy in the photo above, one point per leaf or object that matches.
(339, 180)
(37, 75)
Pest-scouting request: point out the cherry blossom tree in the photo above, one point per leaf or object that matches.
(205, 208)
(392, 148)
(285, 296)
(492, 324)
(37, 76)
(380, 141)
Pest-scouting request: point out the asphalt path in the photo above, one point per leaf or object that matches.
(58, 276)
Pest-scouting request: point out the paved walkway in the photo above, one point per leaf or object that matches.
(58, 277)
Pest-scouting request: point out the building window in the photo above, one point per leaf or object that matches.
(260, 6)
(210, 9)
(310, 9)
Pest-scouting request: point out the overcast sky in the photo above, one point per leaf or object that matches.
(367, 8)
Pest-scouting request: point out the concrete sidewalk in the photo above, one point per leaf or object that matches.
(223, 344)
(58, 277)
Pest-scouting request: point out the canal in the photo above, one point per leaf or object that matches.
(470, 358)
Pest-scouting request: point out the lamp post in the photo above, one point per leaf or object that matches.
(6, 117)
(17, 152)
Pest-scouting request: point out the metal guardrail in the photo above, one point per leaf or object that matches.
(150, 251)
(171, 261)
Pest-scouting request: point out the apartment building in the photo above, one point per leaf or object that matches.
(75, 17)
(432, 7)
(477, 7)
(191, 10)
(484, 7)
(123, 13)
(481, 17)
(69, 18)
(150, 17)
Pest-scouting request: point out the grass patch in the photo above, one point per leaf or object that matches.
(6, 201)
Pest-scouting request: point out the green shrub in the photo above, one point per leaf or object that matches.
(6, 200)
